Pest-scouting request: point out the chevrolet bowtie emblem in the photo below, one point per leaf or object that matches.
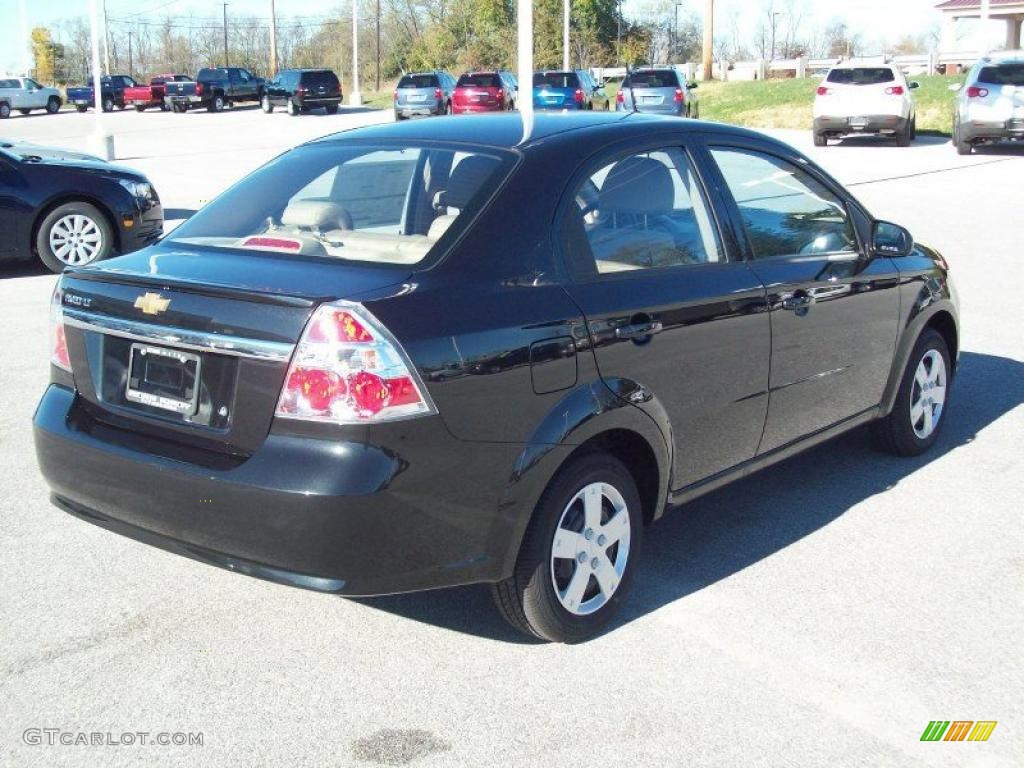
(152, 303)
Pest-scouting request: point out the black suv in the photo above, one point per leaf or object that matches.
(300, 90)
(432, 353)
(424, 93)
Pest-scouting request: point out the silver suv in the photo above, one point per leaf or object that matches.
(990, 104)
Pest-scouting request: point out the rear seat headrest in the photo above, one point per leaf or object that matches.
(319, 215)
(466, 180)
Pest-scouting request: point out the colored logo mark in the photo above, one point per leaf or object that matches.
(958, 730)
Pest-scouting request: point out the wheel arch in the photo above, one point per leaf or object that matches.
(590, 418)
(941, 318)
(74, 197)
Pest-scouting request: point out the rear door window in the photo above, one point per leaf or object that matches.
(861, 76)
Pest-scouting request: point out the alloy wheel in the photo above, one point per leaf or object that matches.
(590, 549)
(75, 239)
(928, 394)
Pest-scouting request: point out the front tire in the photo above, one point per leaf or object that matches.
(578, 556)
(73, 235)
(5, 111)
(913, 425)
(108, 105)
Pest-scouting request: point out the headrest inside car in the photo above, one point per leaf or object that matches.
(466, 180)
(639, 185)
(317, 215)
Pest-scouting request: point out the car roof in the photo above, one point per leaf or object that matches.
(506, 129)
(1004, 57)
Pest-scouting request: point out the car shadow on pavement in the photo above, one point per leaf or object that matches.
(922, 140)
(728, 530)
(22, 268)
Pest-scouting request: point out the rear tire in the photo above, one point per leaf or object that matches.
(903, 137)
(917, 416)
(913, 129)
(85, 221)
(331, 109)
(820, 139)
(53, 105)
(595, 579)
(24, 111)
(293, 108)
(962, 147)
(108, 105)
(266, 105)
(216, 104)
(140, 108)
(81, 107)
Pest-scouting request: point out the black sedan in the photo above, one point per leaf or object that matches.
(71, 209)
(436, 353)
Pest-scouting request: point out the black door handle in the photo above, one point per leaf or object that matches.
(638, 330)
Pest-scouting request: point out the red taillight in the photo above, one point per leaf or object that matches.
(823, 91)
(437, 93)
(895, 90)
(58, 341)
(199, 89)
(302, 89)
(501, 94)
(679, 96)
(578, 96)
(347, 369)
(396, 95)
(974, 92)
(619, 98)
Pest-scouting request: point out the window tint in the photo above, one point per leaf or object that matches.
(418, 81)
(387, 205)
(1004, 74)
(641, 211)
(556, 80)
(655, 78)
(479, 81)
(861, 76)
(785, 211)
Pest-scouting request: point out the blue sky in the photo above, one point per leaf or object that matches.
(873, 18)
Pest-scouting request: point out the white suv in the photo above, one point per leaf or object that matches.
(858, 99)
(25, 94)
(990, 104)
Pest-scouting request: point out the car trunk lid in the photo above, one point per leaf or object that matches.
(194, 346)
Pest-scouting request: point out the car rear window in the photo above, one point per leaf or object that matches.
(9, 84)
(320, 78)
(479, 81)
(386, 205)
(861, 76)
(418, 81)
(212, 74)
(1003, 74)
(556, 80)
(657, 78)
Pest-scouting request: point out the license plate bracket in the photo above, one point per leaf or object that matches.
(163, 378)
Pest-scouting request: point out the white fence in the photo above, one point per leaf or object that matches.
(918, 64)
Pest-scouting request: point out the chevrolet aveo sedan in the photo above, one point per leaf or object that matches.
(439, 353)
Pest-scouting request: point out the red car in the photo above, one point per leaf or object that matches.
(483, 92)
(143, 97)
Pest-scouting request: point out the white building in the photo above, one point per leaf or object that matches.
(956, 38)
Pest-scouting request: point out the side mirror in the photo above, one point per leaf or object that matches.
(955, 87)
(913, 84)
(888, 239)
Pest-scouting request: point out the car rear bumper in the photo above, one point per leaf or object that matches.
(993, 130)
(476, 109)
(862, 124)
(190, 100)
(336, 516)
(413, 110)
(314, 102)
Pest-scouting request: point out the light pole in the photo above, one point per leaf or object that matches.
(131, 72)
(524, 31)
(707, 54)
(775, 15)
(106, 41)
(226, 62)
(565, 34)
(103, 141)
(273, 40)
(26, 41)
(355, 98)
(673, 49)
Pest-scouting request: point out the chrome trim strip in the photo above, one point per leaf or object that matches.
(201, 341)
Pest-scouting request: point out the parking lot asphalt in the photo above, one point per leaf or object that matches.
(819, 613)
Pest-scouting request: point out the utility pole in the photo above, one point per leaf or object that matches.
(273, 40)
(106, 41)
(618, 33)
(565, 34)
(378, 48)
(355, 98)
(131, 72)
(226, 63)
(775, 15)
(707, 56)
(103, 141)
(673, 52)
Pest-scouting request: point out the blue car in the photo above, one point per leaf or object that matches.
(568, 90)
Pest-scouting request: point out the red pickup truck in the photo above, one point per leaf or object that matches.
(143, 97)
